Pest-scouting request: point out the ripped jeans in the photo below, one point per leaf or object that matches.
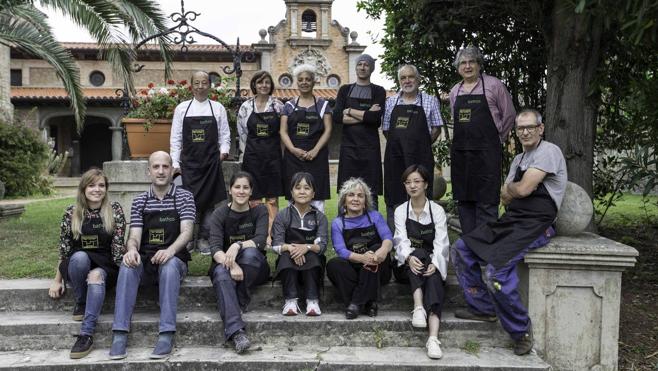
(498, 293)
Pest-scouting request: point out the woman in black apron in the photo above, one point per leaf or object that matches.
(258, 129)
(237, 243)
(305, 131)
(362, 241)
(300, 245)
(91, 245)
(423, 249)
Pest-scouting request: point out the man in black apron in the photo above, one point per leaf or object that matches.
(411, 124)
(533, 193)
(200, 141)
(483, 114)
(359, 107)
(162, 221)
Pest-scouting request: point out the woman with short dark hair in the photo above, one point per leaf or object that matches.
(237, 244)
(260, 143)
(421, 245)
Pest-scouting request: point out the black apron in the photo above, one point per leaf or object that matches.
(201, 166)
(97, 244)
(300, 236)
(305, 129)
(409, 143)
(362, 240)
(160, 230)
(360, 154)
(476, 152)
(523, 222)
(237, 228)
(420, 235)
(262, 154)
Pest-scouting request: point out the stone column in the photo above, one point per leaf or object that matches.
(6, 108)
(353, 50)
(294, 31)
(574, 293)
(265, 49)
(324, 9)
(127, 180)
(117, 139)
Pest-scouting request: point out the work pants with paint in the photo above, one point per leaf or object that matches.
(499, 295)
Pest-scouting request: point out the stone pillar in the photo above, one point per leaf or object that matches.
(6, 108)
(265, 49)
(574, 293)
(117, 140)
(353, 51)
(294, 31)
(75, 159)
(324, 9)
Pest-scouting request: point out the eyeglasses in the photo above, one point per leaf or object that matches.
(530, 129)
(414, 182)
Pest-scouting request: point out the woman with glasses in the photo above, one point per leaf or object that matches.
(421, 245)
(362, 241)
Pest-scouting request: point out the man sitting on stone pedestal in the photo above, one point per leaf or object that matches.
(532, 194)
(161, 224)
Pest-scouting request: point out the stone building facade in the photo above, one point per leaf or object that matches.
(306, 35)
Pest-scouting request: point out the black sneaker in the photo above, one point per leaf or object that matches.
(468, 314)
(82, 347)
(525, 343)
(241, 341)
(79, 311)
(352, 311)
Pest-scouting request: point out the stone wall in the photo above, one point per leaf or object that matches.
(6, 109)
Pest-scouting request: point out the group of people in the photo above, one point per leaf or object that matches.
(285, 153)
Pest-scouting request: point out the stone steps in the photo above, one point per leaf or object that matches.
(197, 294)
(279, 358)
(55, 330)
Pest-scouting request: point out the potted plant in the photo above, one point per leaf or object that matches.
(148, 124)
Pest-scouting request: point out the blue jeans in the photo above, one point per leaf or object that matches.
(170, 275)
(90, 294)
(233, 296)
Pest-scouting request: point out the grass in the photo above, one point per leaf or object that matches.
(630, 210)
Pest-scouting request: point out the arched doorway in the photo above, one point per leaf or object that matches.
(95, 143)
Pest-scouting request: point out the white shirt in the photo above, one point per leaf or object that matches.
(198, 109)
(441, 245)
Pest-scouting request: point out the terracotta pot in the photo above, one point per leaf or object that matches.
(142, 142)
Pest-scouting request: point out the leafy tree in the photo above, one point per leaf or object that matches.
(550, 54)
(25, 27)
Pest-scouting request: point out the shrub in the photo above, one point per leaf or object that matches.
(23, 160)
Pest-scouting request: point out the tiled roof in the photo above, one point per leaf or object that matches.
(174, 48)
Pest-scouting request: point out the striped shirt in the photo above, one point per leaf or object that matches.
(430, 105)
(184, 205)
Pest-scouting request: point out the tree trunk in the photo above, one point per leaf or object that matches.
(573, 42)
(6, 108)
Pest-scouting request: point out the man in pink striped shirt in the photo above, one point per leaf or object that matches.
(483, 115)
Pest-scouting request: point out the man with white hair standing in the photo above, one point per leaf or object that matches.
(483, 115)
(411, 123)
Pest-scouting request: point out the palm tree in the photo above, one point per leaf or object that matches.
(115, 24)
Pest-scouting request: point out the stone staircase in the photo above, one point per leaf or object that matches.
(37, 333)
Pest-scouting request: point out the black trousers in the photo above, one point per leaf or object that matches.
(433, 286)
(356, 284)
(293, 280)
(472, 214)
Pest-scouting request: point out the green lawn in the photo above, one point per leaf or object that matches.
(631, 210)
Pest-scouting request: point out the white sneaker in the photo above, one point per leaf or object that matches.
(419, 317)
(433, 346)
(313, 307)
(290, 308)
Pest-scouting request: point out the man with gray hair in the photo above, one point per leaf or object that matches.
(483, 115)
(412, 121)
(359, 109)
(533, 192)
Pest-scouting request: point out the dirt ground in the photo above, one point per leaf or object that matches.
(638, 337)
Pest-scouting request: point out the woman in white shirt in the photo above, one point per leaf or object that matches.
(421, 245)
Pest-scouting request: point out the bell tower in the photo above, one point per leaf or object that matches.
(309, 22)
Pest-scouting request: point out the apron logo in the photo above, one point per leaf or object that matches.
(205, 122)
(465, 115)
(360, 248)
(233, 239)
(198, 135)
(262, 130)
(473, 101)
(416, 243)
(303, 129)
(246, 225)
(89, 241)
(167, 219)
(312, 117)
(368, 234)
(426, 231)
(365, 106)
(268, 117)
(402, 123)
(156, 236)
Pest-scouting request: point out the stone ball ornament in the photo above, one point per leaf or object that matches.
(439, 188)
(576, 211)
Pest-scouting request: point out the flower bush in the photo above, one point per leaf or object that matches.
(157, 103)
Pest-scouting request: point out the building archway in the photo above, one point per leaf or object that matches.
(95, 143)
